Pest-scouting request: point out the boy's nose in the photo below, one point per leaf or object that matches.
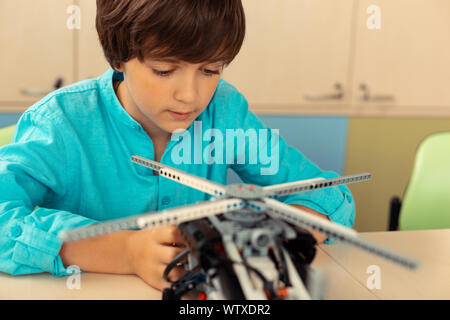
(186, 92)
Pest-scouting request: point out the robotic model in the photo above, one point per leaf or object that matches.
(243, 243)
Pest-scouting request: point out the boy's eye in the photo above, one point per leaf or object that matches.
(211, 72)
(162, 73)
(165, 73)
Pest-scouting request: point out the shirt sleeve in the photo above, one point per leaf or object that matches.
(32, 172)
(279, 163)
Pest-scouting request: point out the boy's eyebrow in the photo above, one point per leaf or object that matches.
(176, 61)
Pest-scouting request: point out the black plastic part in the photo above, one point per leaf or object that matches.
(302, 251)
(168, 294)
(231, 288)
(205, 243)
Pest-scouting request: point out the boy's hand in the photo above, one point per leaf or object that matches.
(320, 237)
(151, 250)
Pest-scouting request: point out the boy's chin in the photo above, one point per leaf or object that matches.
(181, 126)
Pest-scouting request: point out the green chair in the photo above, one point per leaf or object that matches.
(426, 202)
(6, 134)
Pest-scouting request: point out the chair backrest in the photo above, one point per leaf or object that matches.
(6, 134)
(426, 203)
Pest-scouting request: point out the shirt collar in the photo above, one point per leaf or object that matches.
(111, 101)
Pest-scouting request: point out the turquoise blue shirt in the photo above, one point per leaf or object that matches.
(70, 155)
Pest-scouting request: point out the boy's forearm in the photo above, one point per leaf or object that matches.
(108, 253)
(320, 237)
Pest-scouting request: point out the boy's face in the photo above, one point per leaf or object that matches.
(165, 96)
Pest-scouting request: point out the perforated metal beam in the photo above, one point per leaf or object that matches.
(154, 219)
(288, 188)
(302, 218)
(212, 188)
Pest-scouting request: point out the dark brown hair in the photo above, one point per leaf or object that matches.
(193, 31)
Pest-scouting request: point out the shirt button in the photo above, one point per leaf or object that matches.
(16, 231)
(165, 201)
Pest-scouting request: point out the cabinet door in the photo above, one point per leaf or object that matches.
(36, 49)
(294, 51)
(91, 61)
(408, 58)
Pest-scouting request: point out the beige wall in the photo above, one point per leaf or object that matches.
(386, 148)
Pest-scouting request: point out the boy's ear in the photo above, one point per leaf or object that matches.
(120, 68)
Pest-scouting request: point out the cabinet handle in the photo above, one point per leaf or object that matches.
(366, 96)
(338, 95)
(36, 92)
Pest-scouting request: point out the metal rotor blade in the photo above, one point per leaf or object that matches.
(156, 219)
(304, 219)
(212, 188)
(301, 218)
(284, 189)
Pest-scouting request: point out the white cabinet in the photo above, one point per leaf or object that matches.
(299, 48)
(298, 56)
(406, 63)
(294, 53)
(36, 48)
(91, 60)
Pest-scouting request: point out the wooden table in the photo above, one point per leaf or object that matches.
(430, 281)
(345, 267)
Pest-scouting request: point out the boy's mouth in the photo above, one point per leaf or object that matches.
(180, 115)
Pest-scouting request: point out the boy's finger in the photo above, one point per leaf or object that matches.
(176, 273)
(168, 253)
(156, 282)
(171, 236)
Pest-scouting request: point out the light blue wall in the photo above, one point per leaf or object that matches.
(323, 139)
(7, 119)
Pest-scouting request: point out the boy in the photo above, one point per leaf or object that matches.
(71, 151)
